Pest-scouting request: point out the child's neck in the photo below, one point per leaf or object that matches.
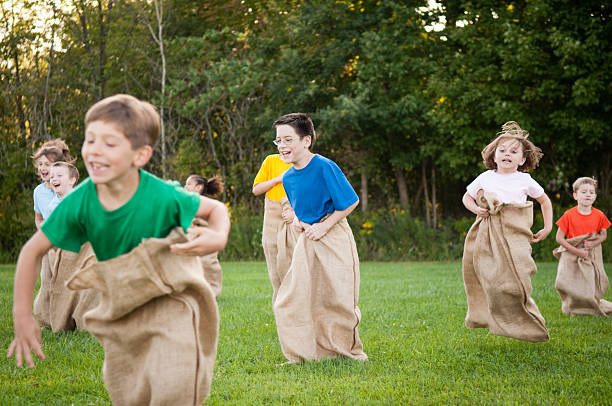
(505, 172)
(585, 209)
(114, 195)
(303, 161)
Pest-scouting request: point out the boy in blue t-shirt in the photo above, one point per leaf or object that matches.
(117, 207)
(316, 307)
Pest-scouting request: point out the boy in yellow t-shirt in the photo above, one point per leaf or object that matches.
(269, 180)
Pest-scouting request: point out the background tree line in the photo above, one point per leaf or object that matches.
(404, 109)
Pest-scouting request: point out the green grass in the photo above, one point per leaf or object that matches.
(412, 329)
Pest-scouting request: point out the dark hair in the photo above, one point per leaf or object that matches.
(512, 131)
(210, 187)
(301, 123)
(138, 120)
(55, 150)
(72, 170)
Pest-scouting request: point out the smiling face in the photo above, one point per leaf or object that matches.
(291, 148)
(109, 156)
(508, 156)
(61, 181)
(43, 166)
(585, 195)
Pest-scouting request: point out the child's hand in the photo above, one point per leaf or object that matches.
(317, 231)
(540, 235)
(582, 252)
(206, 242)
(288, 216)
(588, 244)
(482, 212)
(27, 339)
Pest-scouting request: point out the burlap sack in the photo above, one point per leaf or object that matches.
(269, 240)
(213, 273)
(158, 323)
(42, 299)
(286, 237)
(316, 307)
(497, 269)
(582, 282)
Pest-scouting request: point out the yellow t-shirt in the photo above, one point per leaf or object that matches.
(271, 167)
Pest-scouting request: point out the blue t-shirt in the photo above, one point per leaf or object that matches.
(155, 209)
(318, 189)
(42, 198)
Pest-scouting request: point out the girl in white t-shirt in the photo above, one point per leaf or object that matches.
(509, 157)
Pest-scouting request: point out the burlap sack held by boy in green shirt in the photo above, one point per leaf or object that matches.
(157, 319)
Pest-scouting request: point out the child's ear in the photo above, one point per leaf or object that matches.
(143, 154)
(575, 195)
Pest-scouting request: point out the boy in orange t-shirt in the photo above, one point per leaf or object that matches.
(583, 219)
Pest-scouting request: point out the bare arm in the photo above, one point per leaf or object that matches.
(209, 239)
(318, 230)
(263, 187)
(560, 238)
(547, 212)
(38, 220)
(27, 331)
(470, 204)
(601, 237)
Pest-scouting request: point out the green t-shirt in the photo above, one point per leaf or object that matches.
(155, 209)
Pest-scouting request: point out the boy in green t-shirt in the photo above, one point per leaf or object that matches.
(118, 207)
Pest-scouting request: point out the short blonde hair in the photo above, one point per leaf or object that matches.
(511, 130)
(138, 120)
(73, 172)
(584, 181)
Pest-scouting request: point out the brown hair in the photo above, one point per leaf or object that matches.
(210, 187)
(584, 181)
(138, 120)
(301, 123)
(73, 172)
(511, 130)
(55, 150)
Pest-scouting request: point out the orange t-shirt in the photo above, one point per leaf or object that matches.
(573, 223)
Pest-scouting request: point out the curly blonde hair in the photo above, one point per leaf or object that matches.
(511, 130)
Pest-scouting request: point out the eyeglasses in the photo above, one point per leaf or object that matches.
(285, 142)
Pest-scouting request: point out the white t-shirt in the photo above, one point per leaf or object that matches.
(508, 188)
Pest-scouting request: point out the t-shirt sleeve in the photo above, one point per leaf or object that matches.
(604, 223)
(264, 172)
(187, 204)
(36, 205)
(342, 193)
(534, 190)
(475, 186)
(563, 223)
(63, 227)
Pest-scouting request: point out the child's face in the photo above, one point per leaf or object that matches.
(43, 166)
(107, 153)
(61, 181)
(290, 147)
(585, 195)
(192, 186)
(509, 156)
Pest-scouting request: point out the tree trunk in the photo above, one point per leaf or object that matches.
(426, 192)
(434, 210)
(401, 188)
(364, 191)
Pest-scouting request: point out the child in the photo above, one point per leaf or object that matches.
(581, 278)
(145, 287)
(56, 306)
(269, 181)
(63, 178)
(50, 152)
(213, 273)
(316, 305)
(497, 263)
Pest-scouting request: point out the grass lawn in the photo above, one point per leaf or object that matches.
(412, 330)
